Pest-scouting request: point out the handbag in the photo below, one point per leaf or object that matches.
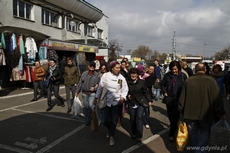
(102, 98)
(168, 100)
(182, 135)
(47, 82)
(94, 125)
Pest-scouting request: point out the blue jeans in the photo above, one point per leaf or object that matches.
(146, 118)
(156, 93)
(89, 106)
(136, 120)
(109, 118)
(201, 127)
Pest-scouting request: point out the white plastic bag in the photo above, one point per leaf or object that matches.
(77, 106)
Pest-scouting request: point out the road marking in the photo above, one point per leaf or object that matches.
(14, 149)
(28, 146)
(145, 141)
(23, 94)
(60, 139)
(49, 115)
(30, 103)
(41, 140)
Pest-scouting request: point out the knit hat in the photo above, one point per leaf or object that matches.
(140, 68)
(113, 63)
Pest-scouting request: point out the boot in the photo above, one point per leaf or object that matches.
(49, 107)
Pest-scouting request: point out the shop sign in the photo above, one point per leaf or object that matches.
(62, 46)
(86, 49)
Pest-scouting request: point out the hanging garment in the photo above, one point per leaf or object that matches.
(2, 57)
(14, 41)
(42, 53)
(15, 76)
(11, 45)
(20, 64)
(28, 76)
(3, 41)
(31, 49)
(22, 47)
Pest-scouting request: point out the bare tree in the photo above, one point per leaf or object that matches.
(142, 52)
(223, 54)
(114, 48)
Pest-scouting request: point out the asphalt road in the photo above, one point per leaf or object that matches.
(25, 127)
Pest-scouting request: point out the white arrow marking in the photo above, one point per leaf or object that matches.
(41, 140)
(14, 149)
(29, 146)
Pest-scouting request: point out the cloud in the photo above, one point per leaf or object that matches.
(152, 23)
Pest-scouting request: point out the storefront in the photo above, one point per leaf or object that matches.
(18, 51)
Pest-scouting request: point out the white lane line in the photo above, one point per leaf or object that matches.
(22, 94)
(17, 95)
(145, 141)
(60, 139)
(49, 115)
(30, 103)
(14, 149)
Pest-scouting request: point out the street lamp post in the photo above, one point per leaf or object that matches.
(204, 51)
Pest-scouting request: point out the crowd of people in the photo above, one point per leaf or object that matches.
(198, 97)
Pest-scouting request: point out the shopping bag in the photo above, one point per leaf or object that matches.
(94, 125)
(182, 135)
(77, 106)
(102, 98)
(220, 133)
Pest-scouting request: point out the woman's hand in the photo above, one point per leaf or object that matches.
(150, 104)
(95, 101)
(121, 100)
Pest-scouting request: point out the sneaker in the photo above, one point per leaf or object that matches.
(34, 99)
(147, 126)
(68, 111)
(87, 123)
(139, 140)
(111, 141)
(171, 139)
(133, 136)
(107, 135)
(49, 108)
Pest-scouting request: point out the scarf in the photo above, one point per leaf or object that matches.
(91, 73)
(172, 88)
(52, 69)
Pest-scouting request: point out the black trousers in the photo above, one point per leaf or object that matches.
(39, 84)
(173, 115)
(55, 89)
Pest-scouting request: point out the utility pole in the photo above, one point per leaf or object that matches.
(174, 46)
(204, 51)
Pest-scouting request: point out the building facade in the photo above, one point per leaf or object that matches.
(68, 28)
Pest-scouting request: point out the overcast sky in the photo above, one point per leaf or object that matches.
(152, 23)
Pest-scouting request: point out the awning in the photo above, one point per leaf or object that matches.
(92, 42)
(81, 9)
(23, 31)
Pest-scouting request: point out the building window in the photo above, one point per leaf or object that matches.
(71, 25)
(99, 33)
(50, 18)
(90, 30)
(22, 9)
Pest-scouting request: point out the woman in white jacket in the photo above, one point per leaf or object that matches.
(117, 91)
